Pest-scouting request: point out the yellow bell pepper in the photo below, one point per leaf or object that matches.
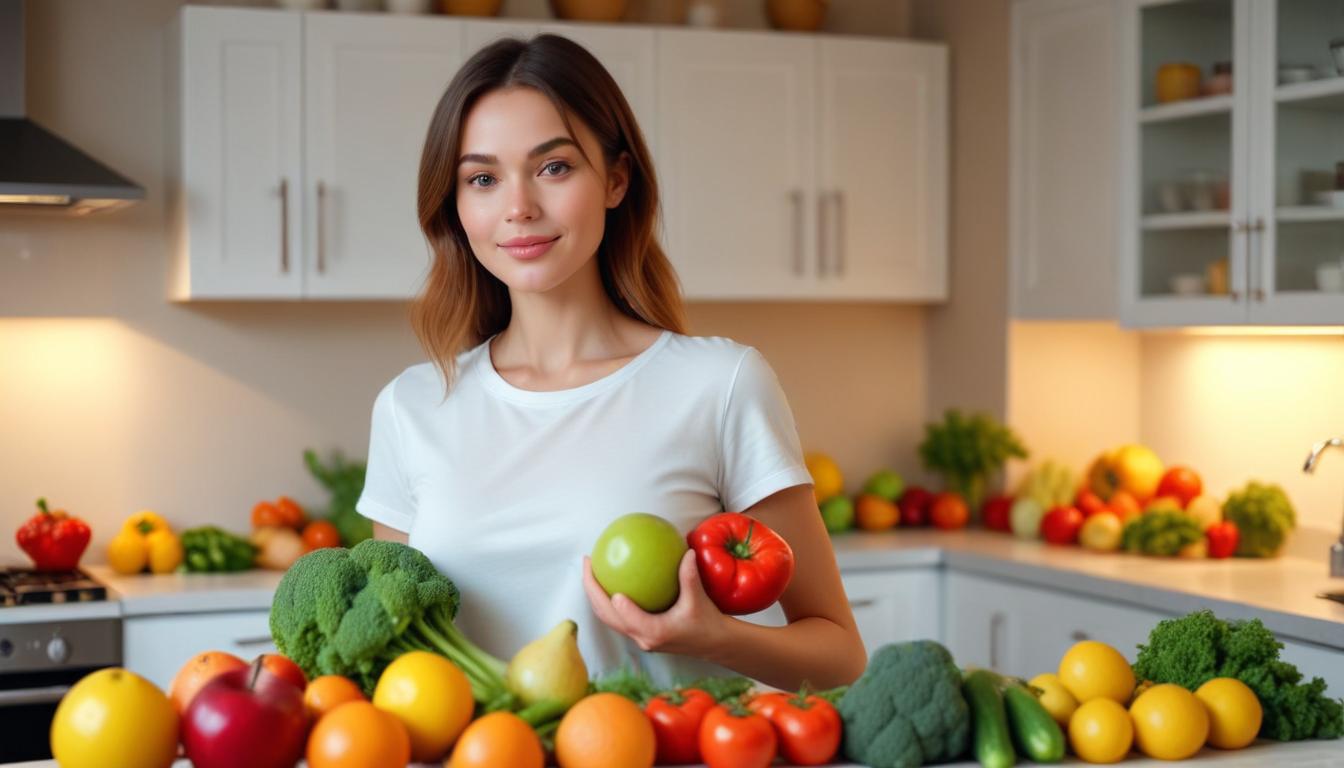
(145, 540)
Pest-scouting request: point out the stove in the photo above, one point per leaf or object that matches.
(44, 651)
(22, 586)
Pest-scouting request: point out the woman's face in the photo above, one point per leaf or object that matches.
(520, 176)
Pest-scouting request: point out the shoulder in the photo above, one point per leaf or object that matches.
(710, 354)
(422, 385)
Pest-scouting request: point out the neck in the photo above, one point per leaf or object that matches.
(551, 331)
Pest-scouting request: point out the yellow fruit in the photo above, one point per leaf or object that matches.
(874, 513)
(1169, 722)
(431, 697)
(1206, 509)
(145, 522)
(1055, 697)
(165, 551)
(827, 480)
(1101, 732)
(114, 714)
(1094, 670)
(1131, 468)
(1234, 712)
(126, 553)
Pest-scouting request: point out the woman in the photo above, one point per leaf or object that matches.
(563, 392)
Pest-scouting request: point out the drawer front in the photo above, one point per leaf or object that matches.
(156, 647)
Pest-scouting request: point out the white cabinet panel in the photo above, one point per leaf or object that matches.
(156, 647)
(895, 606)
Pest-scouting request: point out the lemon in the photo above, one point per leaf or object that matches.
(827, 480)
(1101, 731)
(1055, 697)
(1234, 712)
(114, 714)
(1169, 722)
(431, 696)
(127, 553)
(1093, 670)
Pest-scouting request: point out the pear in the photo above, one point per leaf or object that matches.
(550, 668)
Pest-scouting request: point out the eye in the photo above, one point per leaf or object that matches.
(562, 164)
(471, 182)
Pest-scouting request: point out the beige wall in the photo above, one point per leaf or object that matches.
(113, 399)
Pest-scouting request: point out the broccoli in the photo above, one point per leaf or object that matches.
(1264, 516)
(907, 709)
(351, 612)
(1192, 650)
(1162, 533)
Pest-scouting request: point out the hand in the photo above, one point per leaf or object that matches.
(691, 627)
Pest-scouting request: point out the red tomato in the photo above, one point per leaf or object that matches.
(995, 513)
(744, 565)
(1061, 525)
(266, 515)
(282, 667)
(291, 514)
(808, 729)
(676, 724)
(738, 739)
(319, 534)
(1181, 482)
(1089, 503)
(914, 505)
(1223, 538)
(1125, 506)
(949, 511)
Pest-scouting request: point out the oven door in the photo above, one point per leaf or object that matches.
(27, 705)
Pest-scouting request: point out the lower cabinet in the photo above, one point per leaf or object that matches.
(895, 605)
(156, 647)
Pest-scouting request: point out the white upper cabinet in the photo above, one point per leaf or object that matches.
(790, 166)
(1064, 164)
(235, 209)
(372, 84)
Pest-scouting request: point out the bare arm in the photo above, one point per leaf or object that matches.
(381, 531)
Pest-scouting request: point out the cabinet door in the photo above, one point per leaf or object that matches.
(1064, 168)
(238, 74)
(882, 147)
(156, 647)
(372, 83)
(894, 606)
(735, 156)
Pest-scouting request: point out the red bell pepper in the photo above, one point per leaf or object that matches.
(1223, 538)
(744, 565)
(54, 540)
(676, 717)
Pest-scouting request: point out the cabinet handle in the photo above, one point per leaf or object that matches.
(853, 604)
(258, 640)
(321, 228)
(1079, 636)
(1241, 228)
(839, 197)
(821, 234)
(796, 197)
(1257, 237)
(284, 226)
(995, 631)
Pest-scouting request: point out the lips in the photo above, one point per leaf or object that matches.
(528, 247)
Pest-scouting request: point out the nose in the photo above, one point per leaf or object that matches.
(522, 203)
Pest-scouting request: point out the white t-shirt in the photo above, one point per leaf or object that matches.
(506, 489)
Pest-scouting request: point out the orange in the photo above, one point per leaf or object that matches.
(874, 513)
(199, 670)
(605, 730)
(357, 734)
(498, 740)
(328, 692)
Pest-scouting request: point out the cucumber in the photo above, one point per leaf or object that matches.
(1034, 731)
(992, 741)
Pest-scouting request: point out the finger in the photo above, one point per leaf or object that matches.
(598, 599)
(688, 572)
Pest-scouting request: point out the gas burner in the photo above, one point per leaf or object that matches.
(24, 586)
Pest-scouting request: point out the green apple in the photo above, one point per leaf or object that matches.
(837, 513)
(885, 483)
(638, 556)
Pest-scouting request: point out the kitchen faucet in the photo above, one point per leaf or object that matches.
(1337, 549)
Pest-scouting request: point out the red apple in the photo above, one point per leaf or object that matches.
(914, 506)
(1089, 503)
(995, 513)
(1061, 525)
(1181, 482)
(246, 718)
(280, 666)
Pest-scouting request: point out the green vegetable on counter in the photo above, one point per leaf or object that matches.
(966, 451)
(1192, 650)
(345, 481)
(991, 741)
(1164, 533)
(907, 708)
(1263, 515)
(1035, 731)
(209, 549)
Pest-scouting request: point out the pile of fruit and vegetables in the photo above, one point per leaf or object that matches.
(1126, 500)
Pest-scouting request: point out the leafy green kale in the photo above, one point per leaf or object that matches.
(1263, 515)
(1192, 650)
(1161, 533)
(966, 451)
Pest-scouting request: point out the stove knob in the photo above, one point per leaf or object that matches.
(58, 650)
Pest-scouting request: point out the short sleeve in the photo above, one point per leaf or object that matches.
(760, 452)
(386, 497)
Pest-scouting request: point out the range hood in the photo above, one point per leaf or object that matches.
(38, 169)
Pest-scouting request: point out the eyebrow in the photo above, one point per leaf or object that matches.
(540, 149)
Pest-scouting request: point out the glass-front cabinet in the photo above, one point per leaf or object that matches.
(1232, 156)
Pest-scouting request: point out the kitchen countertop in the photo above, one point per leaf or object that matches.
(1306, 754)
(148, 594)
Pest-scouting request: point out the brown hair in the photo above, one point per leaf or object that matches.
(463, 304)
